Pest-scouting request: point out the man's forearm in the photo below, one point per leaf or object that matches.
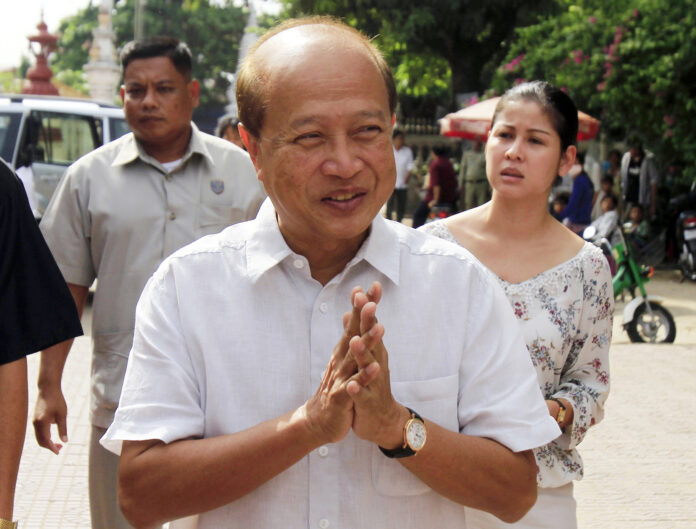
(160, 482)
(13, 419)
(476, 472)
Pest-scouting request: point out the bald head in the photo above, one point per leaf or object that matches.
(280, 54)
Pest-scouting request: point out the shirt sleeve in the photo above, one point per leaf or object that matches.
(585, 377)
(37, 308)
(161, 397)
(498, 376)
(66, 226)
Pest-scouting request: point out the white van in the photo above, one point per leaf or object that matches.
(50, 132)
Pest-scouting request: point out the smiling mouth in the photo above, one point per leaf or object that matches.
(343, 197)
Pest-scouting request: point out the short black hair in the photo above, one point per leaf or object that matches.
(440, 150)
(177, 51)
(397, 133)
(611, 196)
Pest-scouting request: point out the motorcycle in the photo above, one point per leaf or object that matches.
(644, 317)
(685, 232)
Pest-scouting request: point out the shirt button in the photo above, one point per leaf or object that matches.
(323, 307)
(323, 451)
(172, 215)
(324, 523)
(298, 263)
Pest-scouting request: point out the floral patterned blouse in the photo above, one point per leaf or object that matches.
(566, 314)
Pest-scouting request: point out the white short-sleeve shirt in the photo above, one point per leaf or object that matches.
(233, 330)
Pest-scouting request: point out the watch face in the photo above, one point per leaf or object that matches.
(416, 434)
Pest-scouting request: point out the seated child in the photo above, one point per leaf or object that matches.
(606, 223)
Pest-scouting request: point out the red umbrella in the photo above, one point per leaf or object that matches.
(474, 122)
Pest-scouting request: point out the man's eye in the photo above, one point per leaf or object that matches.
(135, 92)
(369, 131)
(165, 89)
(309, 138)
(536, 141)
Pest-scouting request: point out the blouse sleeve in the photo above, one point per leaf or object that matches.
(585, 377)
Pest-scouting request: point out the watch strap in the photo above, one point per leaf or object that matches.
(403, 450)
(6, 524)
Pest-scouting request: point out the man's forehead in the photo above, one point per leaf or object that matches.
(306, 43)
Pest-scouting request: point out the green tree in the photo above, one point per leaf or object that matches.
(440, 47)
(632, 63)
(212, 31)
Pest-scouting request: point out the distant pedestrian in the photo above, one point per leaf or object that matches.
(37, 312)
(227, 130)
(472, 177)
(442, 186)
(403, 157)
(639, 178)
(116, 215)
(577, 215)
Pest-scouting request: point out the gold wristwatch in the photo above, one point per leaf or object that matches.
(6, 524)
(415, 435)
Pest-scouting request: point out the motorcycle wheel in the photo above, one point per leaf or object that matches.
(659, 328)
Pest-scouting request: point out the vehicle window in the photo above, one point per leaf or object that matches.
(63, 138)
(9, 126)
(118, 127)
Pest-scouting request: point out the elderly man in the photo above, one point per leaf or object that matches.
(252, 398)
(117, 213)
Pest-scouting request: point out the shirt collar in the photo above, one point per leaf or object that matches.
(267, 248)
(131, 150)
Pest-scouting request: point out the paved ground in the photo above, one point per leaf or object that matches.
(640, 462)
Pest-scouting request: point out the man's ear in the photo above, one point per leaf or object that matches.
(252, 144)
(195, 91)
(123, 94)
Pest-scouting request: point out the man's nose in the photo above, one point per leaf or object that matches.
(343, 159)
(150, 97)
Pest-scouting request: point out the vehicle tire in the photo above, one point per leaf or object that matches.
(643, 328)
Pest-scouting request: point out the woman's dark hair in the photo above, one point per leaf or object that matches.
(557, 105)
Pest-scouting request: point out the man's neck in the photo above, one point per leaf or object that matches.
(327, 259)
(170, 152)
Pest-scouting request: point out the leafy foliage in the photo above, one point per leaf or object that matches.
(439, 48)
(632, 63)
(212, 31)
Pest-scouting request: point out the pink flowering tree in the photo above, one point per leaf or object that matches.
(630, 63)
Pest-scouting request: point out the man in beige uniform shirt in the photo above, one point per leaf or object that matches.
(117, 213)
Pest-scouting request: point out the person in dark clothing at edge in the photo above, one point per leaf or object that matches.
(37, 312)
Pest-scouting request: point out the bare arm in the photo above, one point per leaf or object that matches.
(50, 403)
(436, 196)
(13, 424)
